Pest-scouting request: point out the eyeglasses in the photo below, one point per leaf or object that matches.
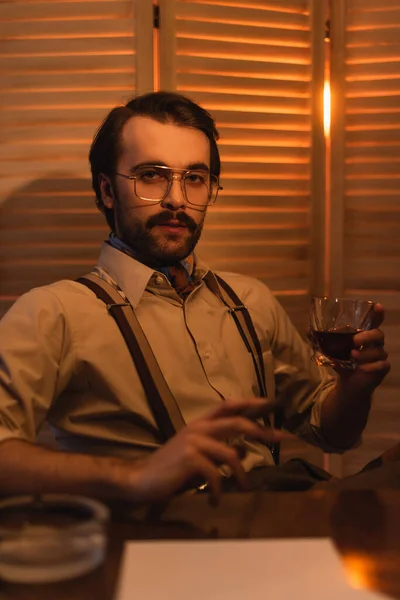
(153, 183)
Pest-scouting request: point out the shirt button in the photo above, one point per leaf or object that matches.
(159, 280)
(207, 354)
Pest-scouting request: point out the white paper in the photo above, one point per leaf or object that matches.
(273, 569)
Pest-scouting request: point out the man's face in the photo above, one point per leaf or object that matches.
(165, 232)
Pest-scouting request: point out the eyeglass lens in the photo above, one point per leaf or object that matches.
(152, 183)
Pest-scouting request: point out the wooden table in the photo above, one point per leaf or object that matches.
(365, 526)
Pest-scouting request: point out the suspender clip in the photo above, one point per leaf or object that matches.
(238, 307)
(111, 306)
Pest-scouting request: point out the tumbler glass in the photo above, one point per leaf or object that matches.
(333, 324)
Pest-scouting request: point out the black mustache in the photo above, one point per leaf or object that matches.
(164, 217)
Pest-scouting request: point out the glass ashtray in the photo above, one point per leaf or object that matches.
(51, 537)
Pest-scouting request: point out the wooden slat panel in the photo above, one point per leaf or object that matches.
(375, 104)
(370, 202)
(14, 119)
(374, 121)
(249, 64)
(270, 104)
(209, 30)
(65, 29)
(368, 187)
(22, 171)
(298, 200)
(69, 64)
(378, 53)
(240, 14)
(64, 65)
(24, 220)
(270, 137)
(53, 9)
(43, 100)
(65, 150)
(35, 82)
(358, 20)
(60, 47)
(242, 51)
(27, 134)
(240, 67)
(364, 155)
(287, 7)
(371, 6)
(61, 229)
(16, 255)
(367, 273)
(20, 278)
(373, 88)
(372, 210)
(363, 245)
(265, 154)
(252, 186)
(373, 35)
(266, 171)
(364, 72)
(249, 86)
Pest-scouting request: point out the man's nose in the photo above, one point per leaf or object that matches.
(175, 198)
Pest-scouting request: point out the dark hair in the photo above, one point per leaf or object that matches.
(163, 107)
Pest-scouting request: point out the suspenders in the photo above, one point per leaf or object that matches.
(163, 405)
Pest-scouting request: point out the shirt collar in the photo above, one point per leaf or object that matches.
(132, 276)
(129, 274)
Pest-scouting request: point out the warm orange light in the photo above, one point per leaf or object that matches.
(327, 108)
(359, 570)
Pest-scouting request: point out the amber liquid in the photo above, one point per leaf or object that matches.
(336, 343)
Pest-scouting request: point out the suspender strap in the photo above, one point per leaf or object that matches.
(161, 401)
(245, 325)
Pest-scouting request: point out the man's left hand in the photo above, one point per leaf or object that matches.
(370, 357)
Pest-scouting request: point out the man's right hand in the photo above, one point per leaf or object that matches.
(196, 452)
(193, 455)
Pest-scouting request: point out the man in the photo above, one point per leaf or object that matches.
(155, 169)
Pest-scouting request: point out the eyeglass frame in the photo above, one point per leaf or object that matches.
(172, 172)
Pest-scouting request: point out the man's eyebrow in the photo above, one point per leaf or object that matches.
(148, 163)
(198, 166)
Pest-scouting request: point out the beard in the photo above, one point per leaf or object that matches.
(153, 247)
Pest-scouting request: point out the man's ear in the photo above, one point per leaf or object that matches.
(106, 189)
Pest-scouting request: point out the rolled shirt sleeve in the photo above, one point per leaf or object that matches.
(35, 356)
(300, 385)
